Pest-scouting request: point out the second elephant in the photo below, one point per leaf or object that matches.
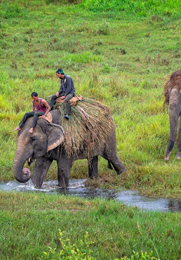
(173, 98)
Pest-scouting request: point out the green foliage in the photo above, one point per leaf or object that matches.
(142, 256)
(70, 252)
(63, 1)
(83, 251)
(103, 28)
(12, 11)
(140, 8)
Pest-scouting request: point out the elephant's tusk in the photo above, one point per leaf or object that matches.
(29, 159)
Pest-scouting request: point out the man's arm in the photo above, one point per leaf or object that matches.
(60, 89)
(70, 87)
(73, 88)
(33, 107)
(47, 106)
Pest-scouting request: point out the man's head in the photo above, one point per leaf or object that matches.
(34, 96)
(60, 73)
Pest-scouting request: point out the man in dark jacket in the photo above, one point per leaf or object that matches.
(66, 91)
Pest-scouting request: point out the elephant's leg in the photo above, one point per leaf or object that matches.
(93, 167)
(40, 170)
(117, 164)
(173, 118)
(64, 166)
(178, 155)
(111, 156)
(109, 166)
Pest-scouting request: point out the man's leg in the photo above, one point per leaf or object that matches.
(52, 101)
(67, 104)
(25, 117)
(35, 118)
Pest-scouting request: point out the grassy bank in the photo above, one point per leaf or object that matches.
(121, 58)
(30, 224)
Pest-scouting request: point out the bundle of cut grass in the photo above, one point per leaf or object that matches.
(88, 126)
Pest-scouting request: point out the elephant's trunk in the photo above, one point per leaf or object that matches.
(22, 154)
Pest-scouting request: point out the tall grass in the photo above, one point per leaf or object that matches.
(120, 61)
(140, 8)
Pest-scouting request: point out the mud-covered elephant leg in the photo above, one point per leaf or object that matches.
(178, 155)
(64, 166)
(40, 170)
(93, 167)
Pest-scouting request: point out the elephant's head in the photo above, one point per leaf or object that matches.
(45, 137)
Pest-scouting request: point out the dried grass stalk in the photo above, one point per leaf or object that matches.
(88, 127)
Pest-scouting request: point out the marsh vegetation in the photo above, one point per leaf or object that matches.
(120, 54)
(121, 58)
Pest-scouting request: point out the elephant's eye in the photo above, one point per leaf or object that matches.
(33, 138)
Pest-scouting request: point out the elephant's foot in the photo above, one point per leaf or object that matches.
(169, 150)
(63, 182)
(93, 167)
(178, 155)
(114, 161)
(62, 186)
(121, 171)
(167, 157)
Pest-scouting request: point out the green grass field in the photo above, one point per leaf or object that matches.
(116, 55)
(119, 53)
(30, 224)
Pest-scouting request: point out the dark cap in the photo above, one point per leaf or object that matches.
(60, 71)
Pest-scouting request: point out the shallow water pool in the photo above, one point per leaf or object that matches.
(77, 188)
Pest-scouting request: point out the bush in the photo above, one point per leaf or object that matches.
(70, 252)
(142, 256)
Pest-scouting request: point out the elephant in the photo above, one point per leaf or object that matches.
(172, 92)
(45, 144)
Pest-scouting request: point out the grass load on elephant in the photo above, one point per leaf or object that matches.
(90, 122)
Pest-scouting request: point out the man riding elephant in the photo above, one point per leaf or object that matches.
(66, 92)
(40, 108)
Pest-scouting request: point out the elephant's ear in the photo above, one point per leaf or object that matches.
(55, 136)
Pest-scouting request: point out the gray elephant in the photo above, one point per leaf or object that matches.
(45, 144)
(172, 94)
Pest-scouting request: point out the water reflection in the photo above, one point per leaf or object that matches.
(77, 188)
(149, 203)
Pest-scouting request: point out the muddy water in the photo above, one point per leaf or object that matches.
(77, 188)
